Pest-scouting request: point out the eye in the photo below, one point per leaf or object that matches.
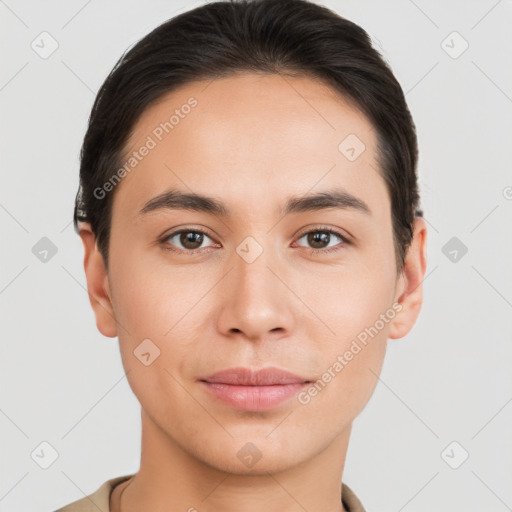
(321, 238)
(187, 241)
(190, 241)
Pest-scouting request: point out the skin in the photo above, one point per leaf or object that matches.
(252, 142)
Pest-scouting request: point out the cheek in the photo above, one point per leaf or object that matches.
(349, 299)
(352, 360)
(150, 296)
(356, 305)
(160, 311)
(151, 310)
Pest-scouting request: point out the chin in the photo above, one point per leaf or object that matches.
(265, 465)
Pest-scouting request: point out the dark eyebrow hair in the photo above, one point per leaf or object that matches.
(336, 198)
(175, 199)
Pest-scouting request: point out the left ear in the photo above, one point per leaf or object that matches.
(409, 290)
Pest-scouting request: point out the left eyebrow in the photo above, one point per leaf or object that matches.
(175, 199)
(336, 198)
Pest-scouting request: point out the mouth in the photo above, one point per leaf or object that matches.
(254, 390)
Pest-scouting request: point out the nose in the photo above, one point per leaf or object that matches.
(255, 302)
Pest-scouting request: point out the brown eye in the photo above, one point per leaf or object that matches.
(191, 239)
(185, 240)
(324, 240)
(318, 239)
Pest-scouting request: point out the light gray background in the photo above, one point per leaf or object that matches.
(448, 380)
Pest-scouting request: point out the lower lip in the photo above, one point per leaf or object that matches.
(253, 398)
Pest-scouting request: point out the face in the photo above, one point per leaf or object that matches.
(265, 274)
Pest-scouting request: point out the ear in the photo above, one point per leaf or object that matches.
(409, 289)
(98, 285)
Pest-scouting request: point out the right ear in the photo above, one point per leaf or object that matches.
(98, 285)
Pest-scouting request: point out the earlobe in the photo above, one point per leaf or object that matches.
(410, 296)
(98, 285)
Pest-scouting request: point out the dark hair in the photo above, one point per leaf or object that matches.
(294, 37)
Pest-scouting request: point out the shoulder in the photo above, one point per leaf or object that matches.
(350, 500)
(98, 501)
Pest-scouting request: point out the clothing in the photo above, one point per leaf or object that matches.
(99, 501)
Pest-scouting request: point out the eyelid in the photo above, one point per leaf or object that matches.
(337, 231)
(179, 229)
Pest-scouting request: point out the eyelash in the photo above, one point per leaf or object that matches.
(344, 241)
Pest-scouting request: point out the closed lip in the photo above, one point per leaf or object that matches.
(241, 376)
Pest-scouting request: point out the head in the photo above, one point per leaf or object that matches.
(291, 154)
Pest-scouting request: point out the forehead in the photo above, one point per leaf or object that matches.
(251, 137)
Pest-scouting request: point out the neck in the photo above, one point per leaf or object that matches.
(171, 478)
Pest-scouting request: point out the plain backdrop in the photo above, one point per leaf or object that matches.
(445, 392)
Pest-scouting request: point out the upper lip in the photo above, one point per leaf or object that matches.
(253, 377)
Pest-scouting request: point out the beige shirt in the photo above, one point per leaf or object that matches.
(99, 501)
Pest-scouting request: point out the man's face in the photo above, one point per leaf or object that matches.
(262, 287)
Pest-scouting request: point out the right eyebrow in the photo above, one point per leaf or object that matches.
(174, 199)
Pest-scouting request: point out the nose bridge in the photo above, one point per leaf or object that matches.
(256, 302)
(254, 280)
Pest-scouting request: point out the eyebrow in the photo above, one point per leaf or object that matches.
(175, 199)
